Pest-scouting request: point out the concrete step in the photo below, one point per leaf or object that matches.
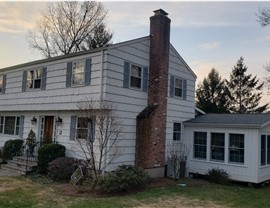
(24, 158)
(5, 173)
(13, 169)
(22, 164)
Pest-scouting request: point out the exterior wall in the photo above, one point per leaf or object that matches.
(56, 96)
(242, 172)
(264, 171)
(128, 102)
(179, 110)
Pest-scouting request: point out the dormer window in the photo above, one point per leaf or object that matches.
(135, 76)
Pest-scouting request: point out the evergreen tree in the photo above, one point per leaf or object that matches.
(212, 95)
(245, 90)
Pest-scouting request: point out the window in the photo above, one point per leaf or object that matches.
(236, 148)
(176, 131)
(135, 76)
(85, 128)
(178, 88)
(1, 83)
(265, 150)
(200, 144)
(34, 79)
(78, 72)
(217, 146)
(10, 125)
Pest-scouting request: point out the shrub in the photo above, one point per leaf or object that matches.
(218, 176)
(12, 148)
(62, 168)
(47, 153)
(124, 178)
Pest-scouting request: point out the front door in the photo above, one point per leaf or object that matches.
(46, 129)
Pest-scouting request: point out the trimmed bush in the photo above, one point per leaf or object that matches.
(47, 153)
(12, 148)
(125, 177)
(218, 176)
(62, 168)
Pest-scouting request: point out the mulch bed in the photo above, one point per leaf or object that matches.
(68, 189)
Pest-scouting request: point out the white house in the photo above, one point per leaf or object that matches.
(236, 143)
(146, 78)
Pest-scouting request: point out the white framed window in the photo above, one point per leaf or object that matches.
(178, 87)
(177, 131)
(85, 128)
(265, 150)
(236, 148)
(200, 145)
(10, 125)
(135, 76)
(78, 72)
(217, 146)
(1, 83)
(33, 79)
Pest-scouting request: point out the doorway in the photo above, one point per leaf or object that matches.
(46, 131)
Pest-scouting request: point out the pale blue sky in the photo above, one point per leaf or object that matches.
(206, 34)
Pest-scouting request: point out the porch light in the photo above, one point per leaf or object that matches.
(34, 120)
(59, 121)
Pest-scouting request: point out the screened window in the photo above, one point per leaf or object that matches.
(34, 79)
(265, 150)
(11, 125)
(1, 83)
(178, 88)
(217, 146)
(85, 128)
(176, 131)
(200, 145)
(136, 76)
(78, 72)
(236, 148)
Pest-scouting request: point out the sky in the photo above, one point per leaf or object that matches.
(206, 34)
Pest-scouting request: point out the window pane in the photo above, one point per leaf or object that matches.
(136, 71)
(1, 124)
(176, 131)
(176, 127)
(236, 148)
(77, 79)
(200, 141)
(78, 67)
(263, 149)
(17, 126)
(9, 125)
(135, 82)
(178, 92)
(30, 79)
(37, 83)
(178, 83)
(217, 146)
(38, 74)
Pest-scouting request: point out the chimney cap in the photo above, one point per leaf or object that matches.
(160, 12)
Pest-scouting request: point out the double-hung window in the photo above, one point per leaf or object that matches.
(78, 72)
(34, 79)
(236, 148)
(176, 131)
(135, 76)
(217, 146)
(9, 125)
(85, 128)
(178, 87)
(200, 145)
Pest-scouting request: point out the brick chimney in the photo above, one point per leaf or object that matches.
(151, 122)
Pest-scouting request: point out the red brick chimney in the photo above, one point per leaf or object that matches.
(151, 122)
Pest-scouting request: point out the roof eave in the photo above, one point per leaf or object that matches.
(217, 125)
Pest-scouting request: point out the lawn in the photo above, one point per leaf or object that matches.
(23, 192)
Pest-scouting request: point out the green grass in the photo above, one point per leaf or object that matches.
(22, 192)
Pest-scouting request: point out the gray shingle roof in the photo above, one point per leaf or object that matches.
(248, 120)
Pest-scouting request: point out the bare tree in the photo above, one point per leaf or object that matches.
(176, 159)
(264, 16)
(65, 27)
(98, 134)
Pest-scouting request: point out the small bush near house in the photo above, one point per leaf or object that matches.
(47, 153)
(218, 176)
(125, 177)
(62, 168)
(12, 148)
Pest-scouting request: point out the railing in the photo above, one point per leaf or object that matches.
(31, 156)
